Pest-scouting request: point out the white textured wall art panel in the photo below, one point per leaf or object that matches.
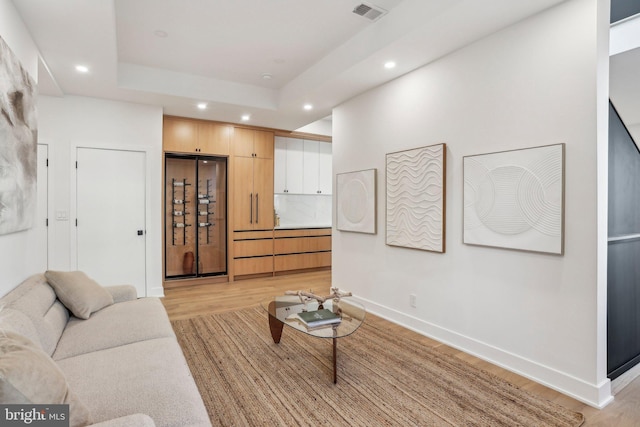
(416, 198)
(515, 199)
(356, 201)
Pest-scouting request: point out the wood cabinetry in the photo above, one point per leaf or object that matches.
(253, 179)
(253, 252)
(253, 143)
(251, 155)
(300, 249)
(182, 135)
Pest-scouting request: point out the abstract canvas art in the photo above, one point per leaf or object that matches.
(356, 201)
(515, 199)
(416, 198)
(18, 144)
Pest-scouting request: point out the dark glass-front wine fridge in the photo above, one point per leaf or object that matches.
(195, 216)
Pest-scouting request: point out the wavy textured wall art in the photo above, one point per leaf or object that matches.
(416, 198)
(356, 201)
(18, 144)
(515, 199)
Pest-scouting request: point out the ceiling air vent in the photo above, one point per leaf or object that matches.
(369, 11)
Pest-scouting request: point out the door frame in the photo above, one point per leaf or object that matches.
(73, 200)
(49, 206)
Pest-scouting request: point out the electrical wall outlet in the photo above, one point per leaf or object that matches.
(412, 300)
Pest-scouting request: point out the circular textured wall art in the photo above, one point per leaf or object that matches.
(514, 199)
(517, 206)
(356, 201)
(353, 205)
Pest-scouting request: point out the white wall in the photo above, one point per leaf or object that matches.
(65, 123)
(14, 247)
(534, 83)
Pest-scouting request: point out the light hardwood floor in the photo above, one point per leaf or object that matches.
(197, 300)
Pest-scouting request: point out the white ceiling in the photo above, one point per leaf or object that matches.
(216, 51)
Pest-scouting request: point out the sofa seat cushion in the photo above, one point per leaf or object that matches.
(149, 377)
(29, 376)
(113, 326)
(136, 420)
(79, 293)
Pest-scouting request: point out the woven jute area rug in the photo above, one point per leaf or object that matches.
(383, 380)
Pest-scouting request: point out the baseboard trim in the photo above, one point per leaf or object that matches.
(595, 395)
(155, 292)
(625, 379)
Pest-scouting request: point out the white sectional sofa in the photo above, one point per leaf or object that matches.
(122, 365)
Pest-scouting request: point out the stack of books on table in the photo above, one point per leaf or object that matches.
(319, 318)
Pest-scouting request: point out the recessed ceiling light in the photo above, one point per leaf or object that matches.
(267, 76)
(82, 68)
(160, 33)
(245, 117)
(389, 65)
(202, 105)
(308, 107)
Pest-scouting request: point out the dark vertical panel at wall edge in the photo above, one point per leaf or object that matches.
(615, 110)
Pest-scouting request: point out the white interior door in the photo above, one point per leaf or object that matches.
(38, 235)
(110, 212)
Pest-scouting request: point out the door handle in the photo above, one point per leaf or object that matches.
(251, 208)
(257, 208)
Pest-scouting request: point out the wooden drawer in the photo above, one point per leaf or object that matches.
(302, 261)
(296, 245)
(254, 265)
(247, 248)
(247, 235)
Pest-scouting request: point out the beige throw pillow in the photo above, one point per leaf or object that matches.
(29, 376)
(80, 294)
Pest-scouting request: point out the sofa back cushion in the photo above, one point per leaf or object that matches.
(16, 321)
(78, 292)
(36, 300)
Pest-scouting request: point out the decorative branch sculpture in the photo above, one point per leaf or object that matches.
(305, 296)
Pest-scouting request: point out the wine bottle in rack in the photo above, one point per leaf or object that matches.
(181, 225)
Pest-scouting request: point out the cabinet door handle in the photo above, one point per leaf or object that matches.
(251, 208)
(257, 208)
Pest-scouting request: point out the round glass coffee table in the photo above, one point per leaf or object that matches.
(283, 310)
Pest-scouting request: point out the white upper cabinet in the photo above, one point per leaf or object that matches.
(325, 168)
(311, 167)
(302, 166)
(317, 167)
(288, 165)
